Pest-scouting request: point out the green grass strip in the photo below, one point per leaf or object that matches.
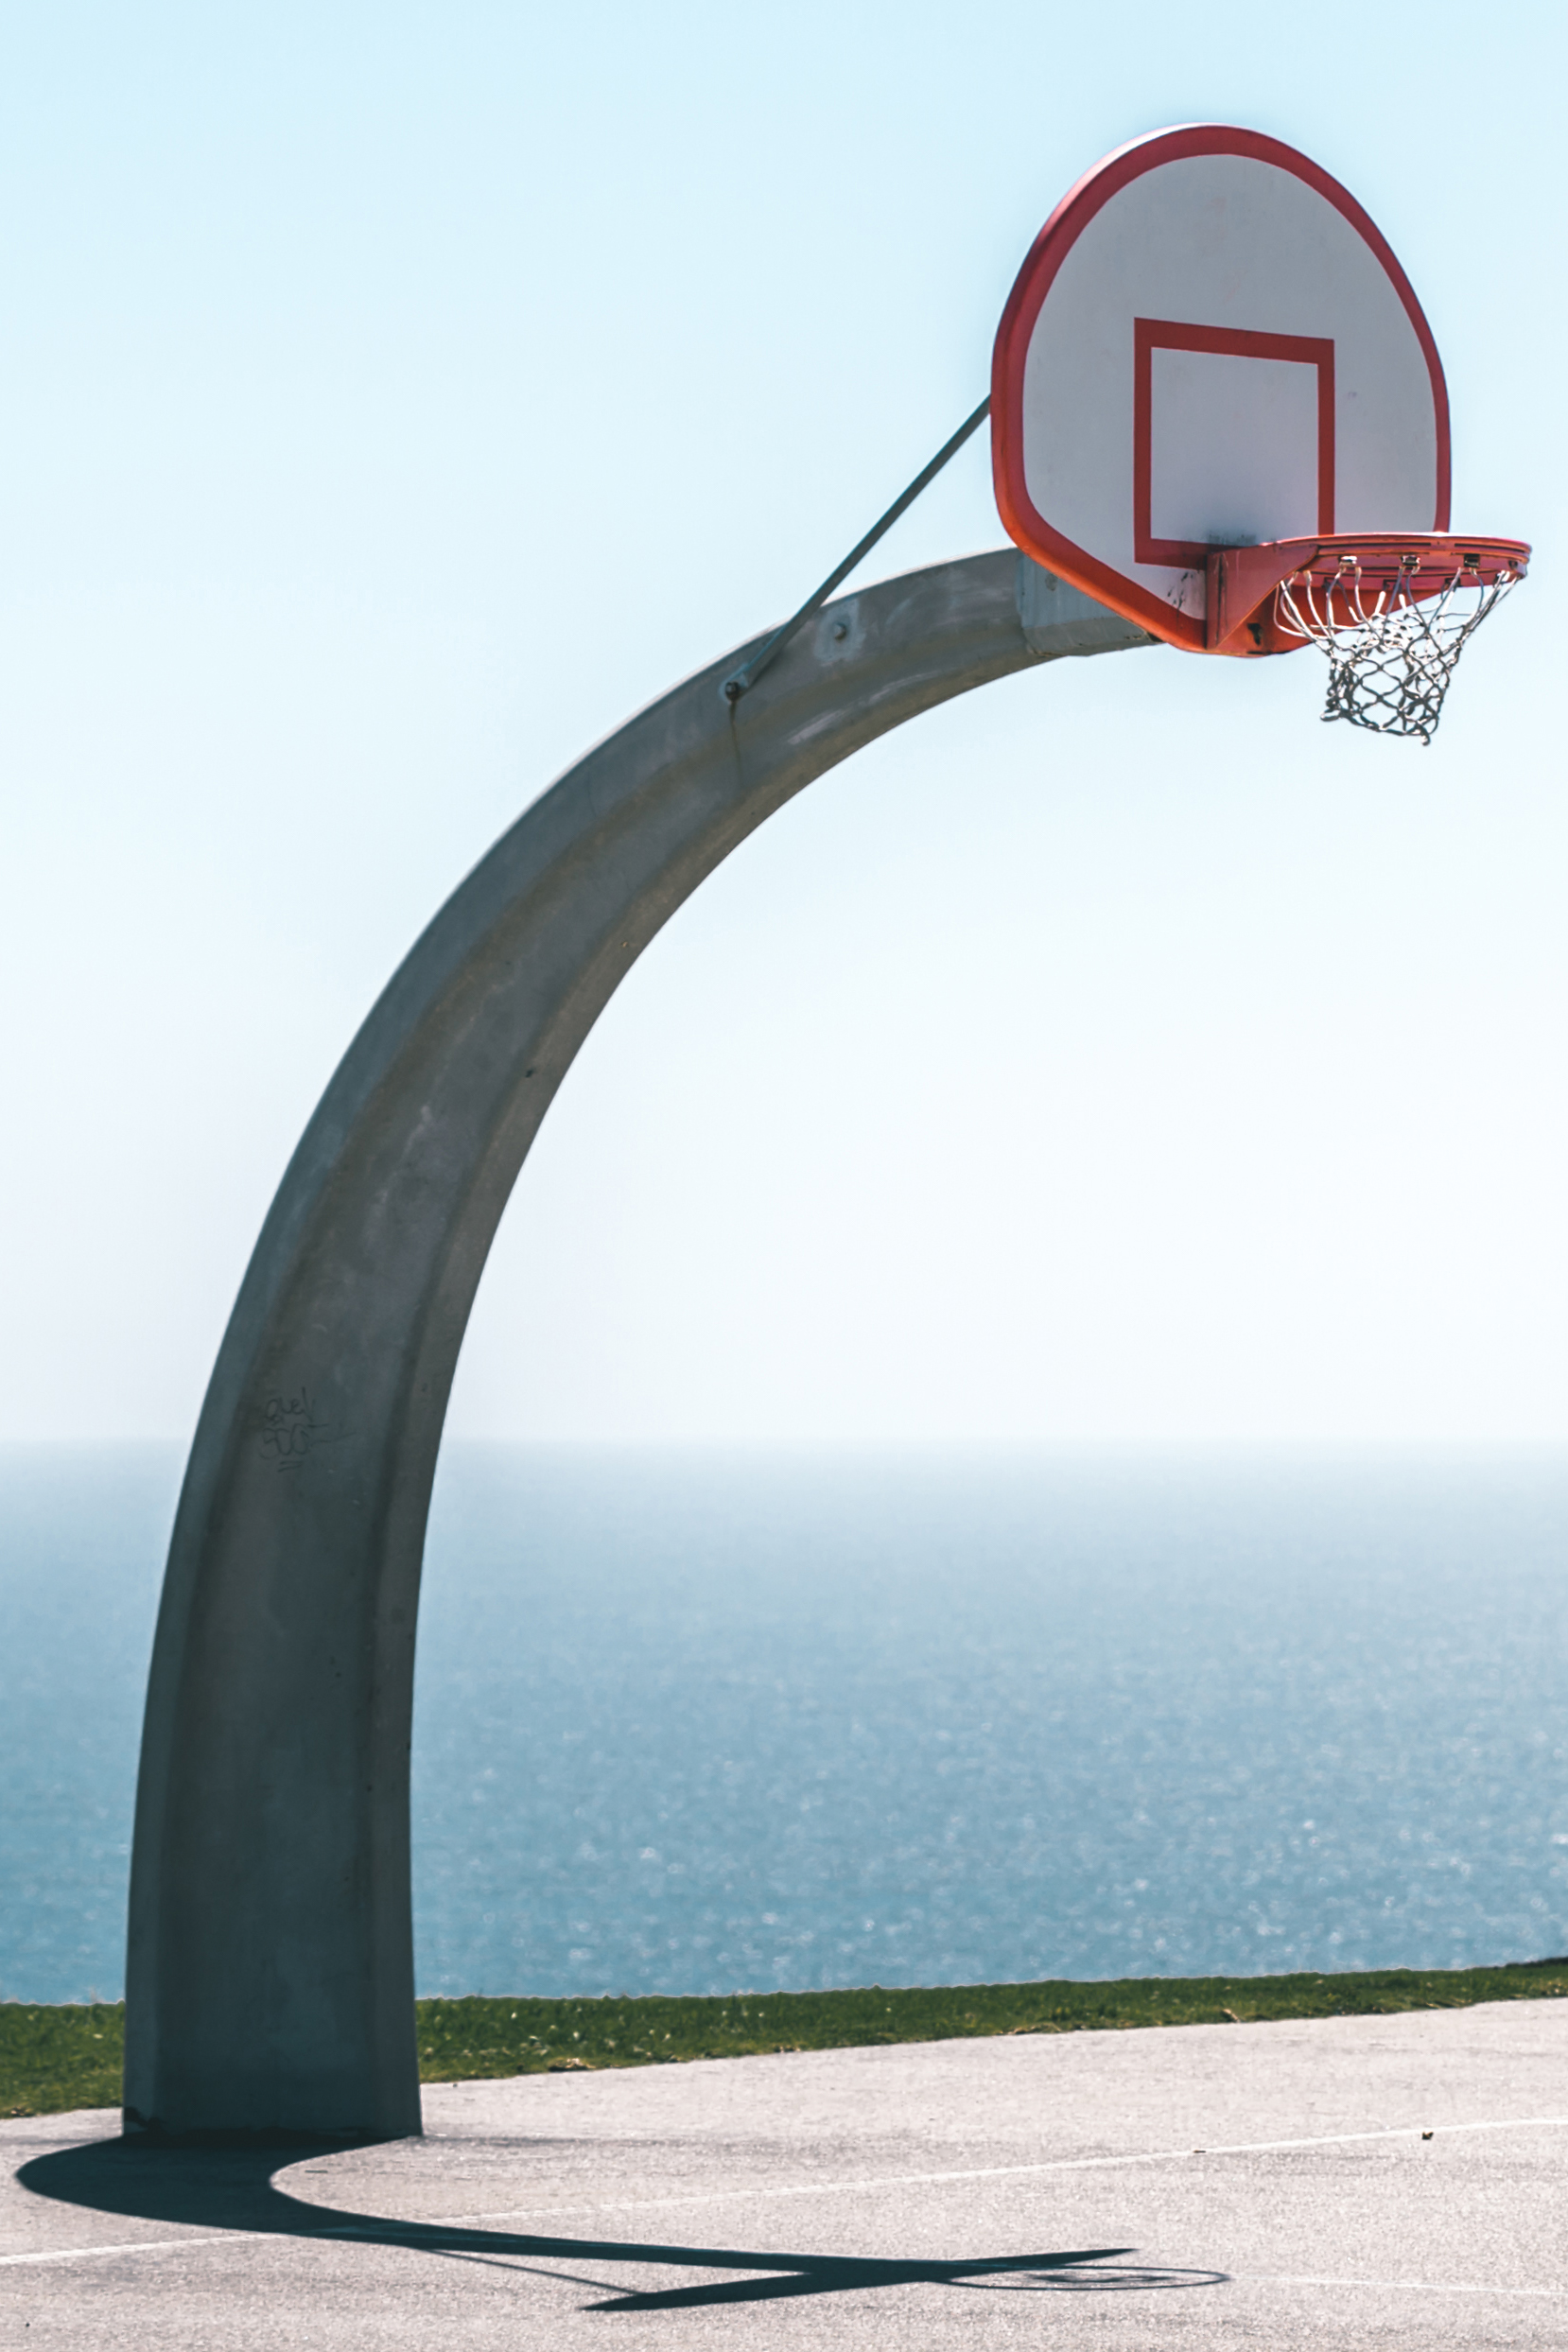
(55, 2057)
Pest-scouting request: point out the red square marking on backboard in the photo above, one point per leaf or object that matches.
(1152, 335)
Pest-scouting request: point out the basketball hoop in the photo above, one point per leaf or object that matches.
(1393, 616)
(1210, 352)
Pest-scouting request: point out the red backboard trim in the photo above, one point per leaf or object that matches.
(1025, 525)
(1152, 335)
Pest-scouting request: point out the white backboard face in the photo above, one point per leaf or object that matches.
(1209, 345)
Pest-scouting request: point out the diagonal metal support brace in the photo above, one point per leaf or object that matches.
(740, 681)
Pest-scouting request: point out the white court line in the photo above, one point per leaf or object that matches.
(1396, 2286)
(1009, 2172)
(383, 2231)
(131, 2245)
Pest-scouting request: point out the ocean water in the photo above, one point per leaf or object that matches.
(698, 1721)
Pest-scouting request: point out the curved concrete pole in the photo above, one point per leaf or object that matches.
(269, 1977)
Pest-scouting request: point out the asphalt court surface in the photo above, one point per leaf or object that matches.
(1362, 2181)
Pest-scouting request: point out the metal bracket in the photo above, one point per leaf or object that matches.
(1059, 619)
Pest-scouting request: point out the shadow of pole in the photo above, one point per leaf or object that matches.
(232, 2188)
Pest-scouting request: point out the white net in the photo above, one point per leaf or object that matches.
(1393, 636)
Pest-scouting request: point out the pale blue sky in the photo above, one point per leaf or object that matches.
(394, 398)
